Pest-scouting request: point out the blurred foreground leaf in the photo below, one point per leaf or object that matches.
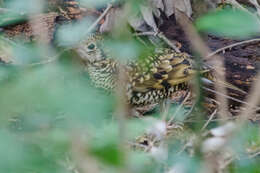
(10, 18)
(229, 23)
(53, 91)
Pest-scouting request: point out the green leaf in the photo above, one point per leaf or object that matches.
(229, 23)
(105, 145)
(71, 34)
(10, 18)
(25, 6)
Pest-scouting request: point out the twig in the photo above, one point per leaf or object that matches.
(145, 33)
(161, 36)
(232, 45)
(178, 109)
(229, 97)
(227, 163)
(209, 120)
(166, 40)
(109, 6)
(257, 6)
(254, 155)
(252, 100)
(214, 120)
(236, 4)
(198, 45)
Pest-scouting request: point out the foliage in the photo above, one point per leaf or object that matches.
(53, 120)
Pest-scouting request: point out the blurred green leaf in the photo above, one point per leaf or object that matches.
(245, 165)
(73, 33)
(229, 23)
(142, 162)
(138, 127)
(105, 145)
(95, 4)
(25, 6)
(17, 154)
(57, 90)
(10, 18)
(129, 49)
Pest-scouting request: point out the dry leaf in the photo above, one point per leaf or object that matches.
(157, 5)
(169, 7)
(138, 23)
(147, 13)
(184, 6)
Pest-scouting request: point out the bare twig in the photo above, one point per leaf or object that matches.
(178, 109)
(161, 36)
(232, 45)
(145, 33)
(109, 6)
(229, 97)
(253, 100)
(209, 120)
(227, 163)
(237, 5)
(257, 6)
(254, 155)
(214, 120)
(166, 40)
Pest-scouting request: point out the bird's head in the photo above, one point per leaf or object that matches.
(90, 50)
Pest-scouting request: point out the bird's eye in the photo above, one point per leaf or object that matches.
(91, 46)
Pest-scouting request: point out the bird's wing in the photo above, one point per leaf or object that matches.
(162, 71)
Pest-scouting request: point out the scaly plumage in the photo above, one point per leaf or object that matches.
(148, 82)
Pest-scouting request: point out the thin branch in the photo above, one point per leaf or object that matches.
(214, 120)
(209, 120)
(254, 155)
(178, 109)
(253, 100)
(232, 45)
(161, 36)
(109, 6)
(229, 97)
(237, 5)
(166, 40)
(145, 33)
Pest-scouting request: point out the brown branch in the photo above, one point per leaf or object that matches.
(198, 45)
(252, 100)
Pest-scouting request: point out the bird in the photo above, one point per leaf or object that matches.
(148, 82)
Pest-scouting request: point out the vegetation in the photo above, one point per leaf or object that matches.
(53, 120)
